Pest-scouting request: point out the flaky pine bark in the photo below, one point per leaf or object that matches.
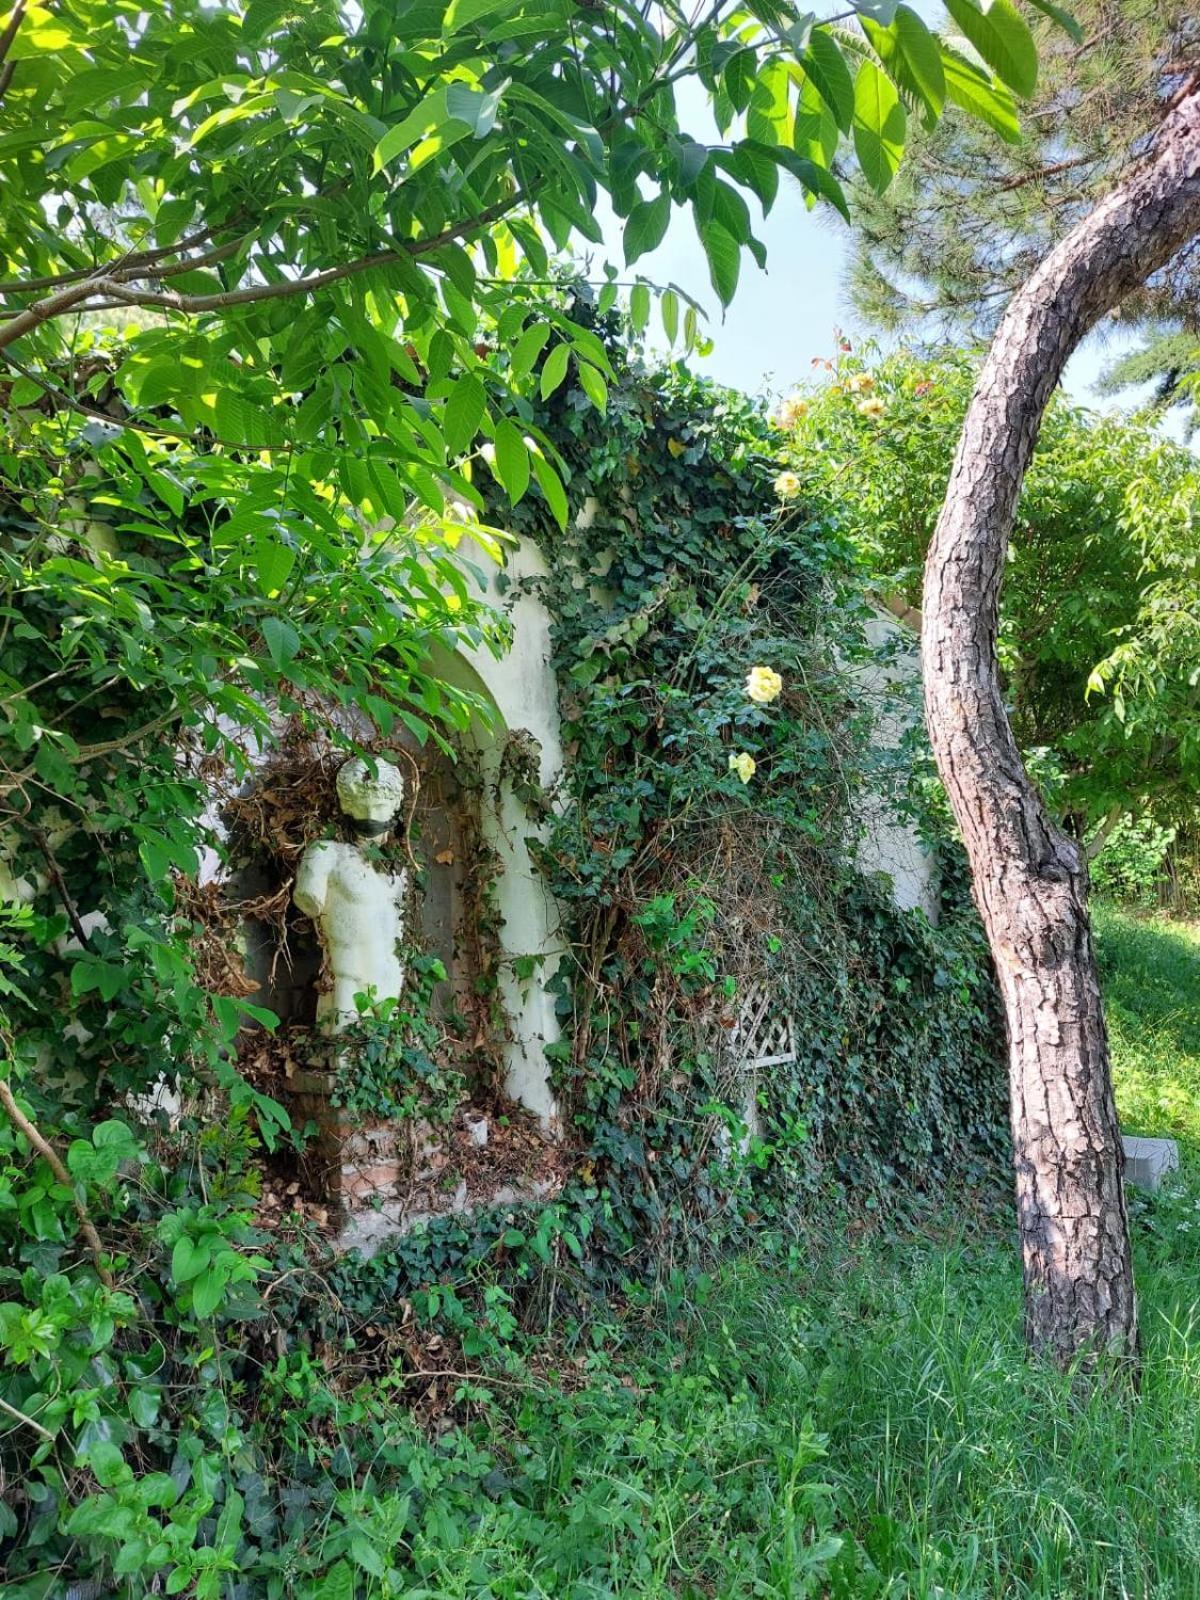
(1030, 880)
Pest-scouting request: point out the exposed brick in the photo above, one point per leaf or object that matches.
(354, 1163)
(363, 1183)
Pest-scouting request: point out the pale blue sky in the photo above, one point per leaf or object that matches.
(784, 317)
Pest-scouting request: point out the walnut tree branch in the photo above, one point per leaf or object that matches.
(105, 287)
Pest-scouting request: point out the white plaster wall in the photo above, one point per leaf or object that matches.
(889, 844)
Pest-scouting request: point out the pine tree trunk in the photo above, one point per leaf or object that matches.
(1030, 879)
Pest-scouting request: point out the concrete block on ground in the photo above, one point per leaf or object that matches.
(1146, 1160)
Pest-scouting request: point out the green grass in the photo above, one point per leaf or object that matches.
(691, 1465)
(859, 1423)
(1151, 975)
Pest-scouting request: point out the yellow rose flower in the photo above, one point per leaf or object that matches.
(743, 764)
(860, 383)
(763, 685)
(873, 408)
(791, 411)
(787, 485)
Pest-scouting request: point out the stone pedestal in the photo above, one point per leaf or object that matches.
(1147, 1160)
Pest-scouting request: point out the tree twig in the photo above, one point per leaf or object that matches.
(6, 44)
(54, 1161)
(60, 884)
(20, 1416)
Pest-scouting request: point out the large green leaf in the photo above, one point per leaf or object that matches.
(815, 134)
(551, 486)
(880, 126)
(463, 13)
(1063, 17)
(724, 259)
(554, 369)
(447, 114)
(975, 92)
(528, 348)
(646, 227)
(1000, 35)
(912, 57)
(512, 459)
(464, 412)
(825, 65)
(818, 180)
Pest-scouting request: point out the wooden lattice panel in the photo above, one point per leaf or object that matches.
(762, 1035)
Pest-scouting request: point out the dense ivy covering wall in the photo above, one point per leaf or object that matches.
(195, 1389)
(685, 888)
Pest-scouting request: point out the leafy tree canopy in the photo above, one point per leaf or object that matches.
(1100, 610)
(271, 284)
(275, 271)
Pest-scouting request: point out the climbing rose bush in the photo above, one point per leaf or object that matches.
(791, 411)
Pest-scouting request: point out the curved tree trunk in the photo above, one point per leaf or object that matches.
(1030, 880)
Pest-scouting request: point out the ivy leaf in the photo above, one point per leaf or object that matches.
(157, 857)
(206, 1296)
(89, 1165)
(464, 412)
(879, 126)
(189, 1258)
(1000, 35)
(108, 1464)
(115, 1135)
(512, 459)
(724, 260)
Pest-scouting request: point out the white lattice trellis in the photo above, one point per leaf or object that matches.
(762, 1036)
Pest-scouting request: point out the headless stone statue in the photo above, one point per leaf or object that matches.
(357, 906)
